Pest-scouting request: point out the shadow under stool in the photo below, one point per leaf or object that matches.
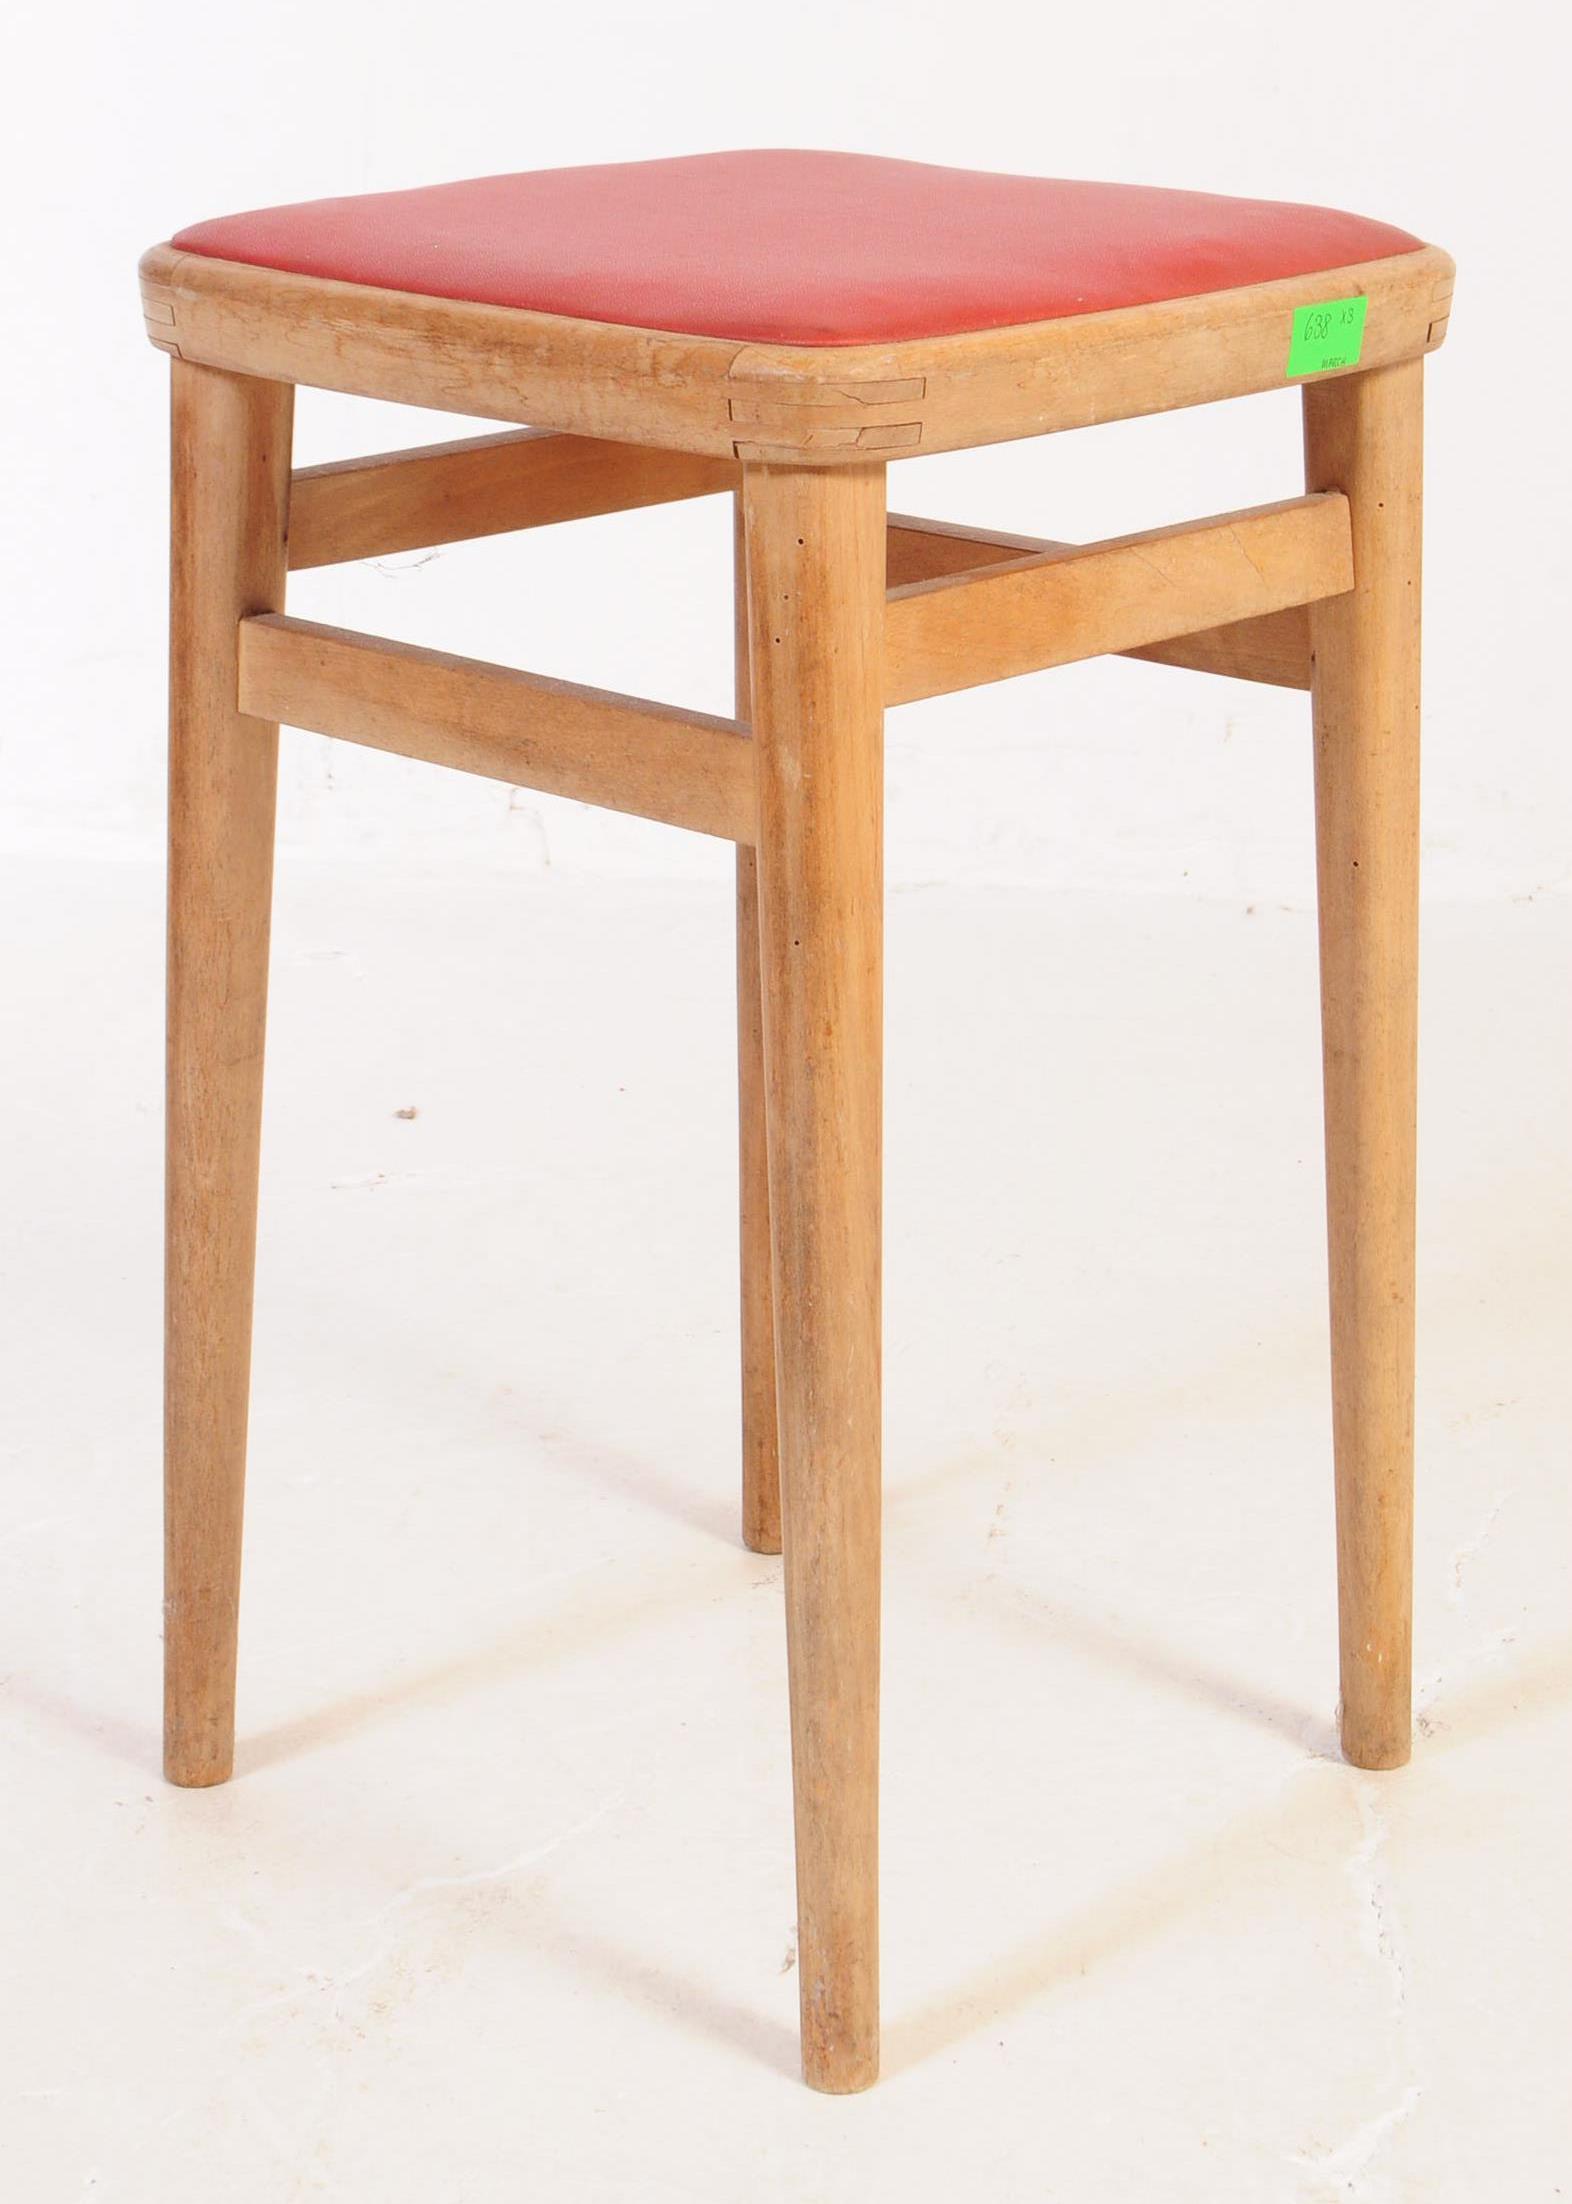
(782, 326)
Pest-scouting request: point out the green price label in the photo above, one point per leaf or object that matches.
(1327, 335)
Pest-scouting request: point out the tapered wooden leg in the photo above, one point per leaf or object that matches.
(761, 1468)
(1363, 435)
(815, 545)
(229, 504)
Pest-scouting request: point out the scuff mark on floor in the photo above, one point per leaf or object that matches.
(1345, 2171)
(404, 565)
(1349, 2169)
(522, 805)
(1426, 1720)
(1366, 1870)
(1471, 1548)
(320, 1980)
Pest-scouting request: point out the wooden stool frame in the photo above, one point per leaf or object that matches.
(842, 610)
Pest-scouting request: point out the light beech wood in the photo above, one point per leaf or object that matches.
(526, 478)
(1364, 437)
(684, 768)
(1050, 608)
(1275, 647)
(838, 613)
(815, 549)
(481, 486)
(829, 405)
(761, 1467)
(229, 512)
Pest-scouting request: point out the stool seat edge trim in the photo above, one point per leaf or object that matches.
(821, 406)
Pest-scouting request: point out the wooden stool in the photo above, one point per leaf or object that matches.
(782, 325)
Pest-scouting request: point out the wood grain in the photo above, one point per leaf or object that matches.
(828, 405)
(1050, 608)
(815, 547)
(1274, 647)
(481, 486)
(761, 1466)
(1364, 437)
(228, 517)
(683, 768)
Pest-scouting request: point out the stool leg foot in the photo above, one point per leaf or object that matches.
(1363, 435)
(815, 546)
(229, 500)
(761, 1469)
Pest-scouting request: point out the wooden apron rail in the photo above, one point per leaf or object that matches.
(482, 486)
(411, 500)
(682, 768)
(1273, 647)
(959, 631)
(1208, 582)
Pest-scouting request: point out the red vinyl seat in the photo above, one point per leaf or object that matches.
(798, 248)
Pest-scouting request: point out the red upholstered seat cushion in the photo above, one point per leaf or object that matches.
(798, 248)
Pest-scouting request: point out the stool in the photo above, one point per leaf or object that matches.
(782, 325)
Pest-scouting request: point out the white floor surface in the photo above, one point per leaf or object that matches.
(499, 1905)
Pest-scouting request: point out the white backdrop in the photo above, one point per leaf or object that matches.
(125, 124)
(503, 1897)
